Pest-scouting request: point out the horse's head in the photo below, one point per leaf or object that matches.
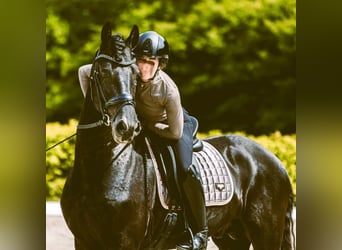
(113, 85)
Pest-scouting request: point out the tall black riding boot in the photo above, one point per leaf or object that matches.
(195, 211)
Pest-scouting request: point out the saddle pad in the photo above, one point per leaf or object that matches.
(216, 178)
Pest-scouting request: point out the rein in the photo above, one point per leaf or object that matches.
(68, 138)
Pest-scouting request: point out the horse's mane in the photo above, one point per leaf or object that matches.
(118, 44)
(115, 48)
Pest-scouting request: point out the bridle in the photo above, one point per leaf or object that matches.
(120, 100)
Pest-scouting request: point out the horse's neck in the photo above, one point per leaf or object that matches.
(92, 143)
(89, 114)
(127, 177)
(93, 154)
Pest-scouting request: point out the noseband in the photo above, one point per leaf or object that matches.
(119, 100)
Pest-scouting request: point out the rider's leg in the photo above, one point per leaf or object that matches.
(195, 208)
(190, 183)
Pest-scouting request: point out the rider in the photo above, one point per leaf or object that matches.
(158, 104)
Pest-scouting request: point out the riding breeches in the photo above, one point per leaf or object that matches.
(183, 147)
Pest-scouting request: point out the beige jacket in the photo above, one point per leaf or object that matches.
(158, 103)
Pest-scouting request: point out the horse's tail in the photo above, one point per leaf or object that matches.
(289, 238)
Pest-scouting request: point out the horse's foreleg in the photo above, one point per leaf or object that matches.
(229, 243)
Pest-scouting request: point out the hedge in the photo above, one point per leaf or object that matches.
(59, 159)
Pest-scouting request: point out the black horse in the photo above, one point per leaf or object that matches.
(110, 199)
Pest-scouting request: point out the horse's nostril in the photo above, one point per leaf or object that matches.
(138, 128)
(121, 126)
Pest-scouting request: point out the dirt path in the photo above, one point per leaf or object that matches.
(58, 236)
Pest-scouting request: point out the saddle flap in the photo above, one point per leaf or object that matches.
(197, 144)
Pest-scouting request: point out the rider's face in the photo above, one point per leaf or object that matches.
(147, 67)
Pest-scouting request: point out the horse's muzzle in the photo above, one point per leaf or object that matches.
(124, 132)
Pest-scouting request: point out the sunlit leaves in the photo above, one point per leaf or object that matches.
(219, 49)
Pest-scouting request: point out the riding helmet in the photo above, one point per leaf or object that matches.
(153, 45)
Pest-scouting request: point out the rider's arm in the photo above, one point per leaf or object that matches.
(175, 121)
(84, 77)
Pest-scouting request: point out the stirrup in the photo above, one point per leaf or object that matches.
(199, 242)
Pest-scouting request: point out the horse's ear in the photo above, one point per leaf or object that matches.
(106, 33)
(133, 38)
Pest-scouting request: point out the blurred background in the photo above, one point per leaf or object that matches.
(233, 60)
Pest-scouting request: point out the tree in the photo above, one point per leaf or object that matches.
(233, 60)
(239, 55)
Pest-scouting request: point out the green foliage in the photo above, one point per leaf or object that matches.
(242, 60)
(237, 54)
(57, 32)
(59, 160)
(62, 97)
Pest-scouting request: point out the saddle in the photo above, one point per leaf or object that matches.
(209, 163)
(214, 174)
